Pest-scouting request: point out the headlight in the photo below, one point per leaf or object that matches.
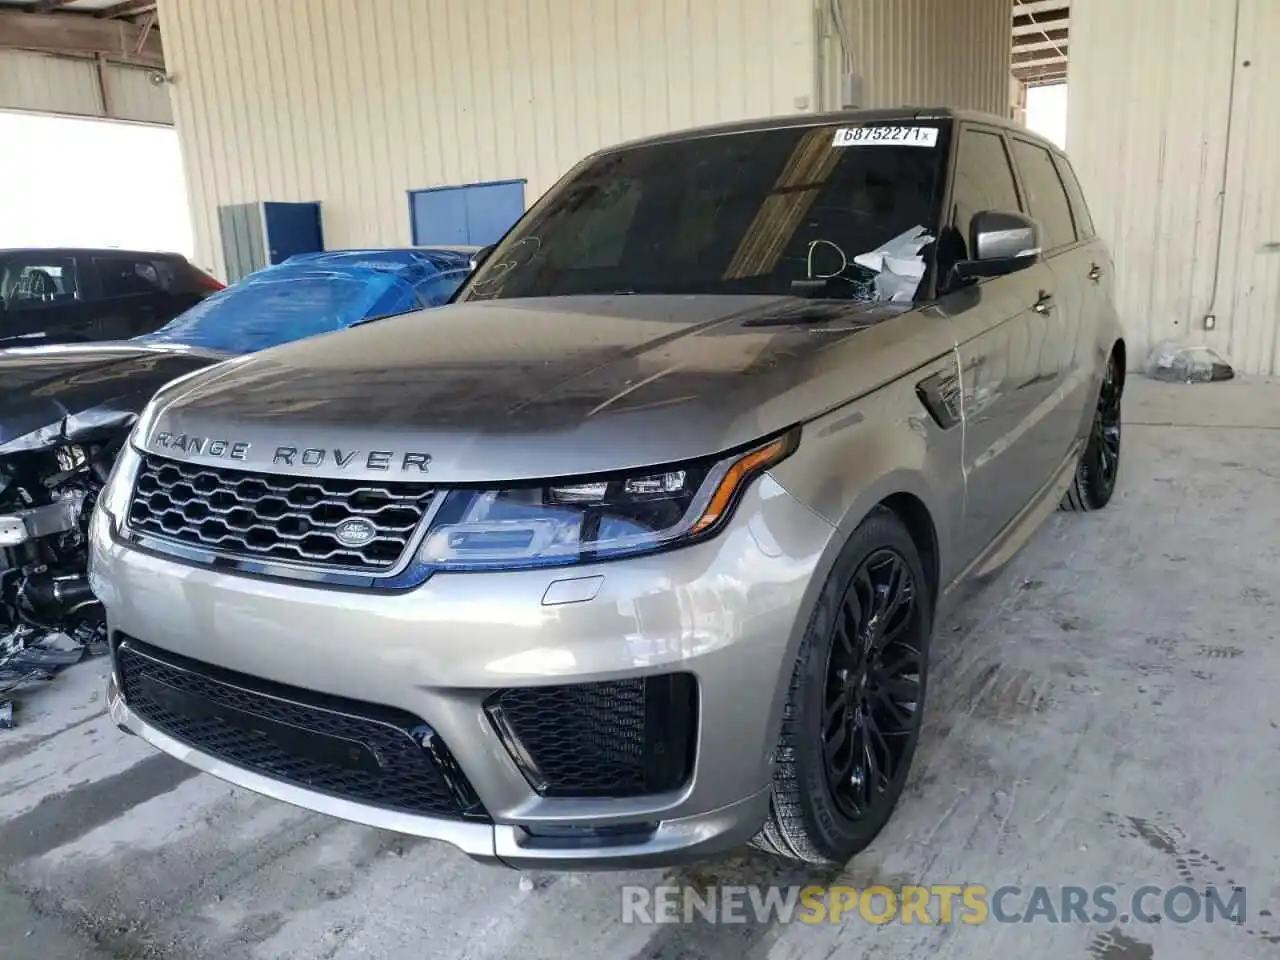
(592, 518)
(118, 490)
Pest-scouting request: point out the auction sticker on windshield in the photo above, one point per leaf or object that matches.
(888, 136)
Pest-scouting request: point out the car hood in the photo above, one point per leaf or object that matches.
(522, 389)
(77, 394)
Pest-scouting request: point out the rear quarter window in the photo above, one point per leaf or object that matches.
(128, 277)
(1084, 222)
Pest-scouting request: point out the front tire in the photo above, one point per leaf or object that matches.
(1095, 479)
(856, 699)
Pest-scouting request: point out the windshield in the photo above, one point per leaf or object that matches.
(782, 212)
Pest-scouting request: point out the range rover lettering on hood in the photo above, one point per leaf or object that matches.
(372, 460)
(186, 443)
(291, 456)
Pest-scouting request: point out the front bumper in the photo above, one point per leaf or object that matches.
(675, 840)
(725, 611)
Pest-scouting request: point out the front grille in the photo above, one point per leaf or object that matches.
(276, 518)
(356, 751)
(619, 738)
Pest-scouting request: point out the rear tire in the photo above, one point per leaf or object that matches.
(1099, 467)
(855, 702)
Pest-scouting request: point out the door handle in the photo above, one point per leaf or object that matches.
(1095, 272)
(1044, 303)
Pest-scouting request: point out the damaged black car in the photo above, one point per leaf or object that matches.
(65, 411)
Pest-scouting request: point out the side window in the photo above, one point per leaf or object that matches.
(166, 275)
(29, 284)
(983, 181)
(127, 277)
(1046, 197)
(1084, 222)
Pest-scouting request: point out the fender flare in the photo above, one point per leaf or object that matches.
(895, 482)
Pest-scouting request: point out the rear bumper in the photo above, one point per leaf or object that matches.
(724, 611)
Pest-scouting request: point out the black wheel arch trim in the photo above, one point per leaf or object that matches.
(895, 483)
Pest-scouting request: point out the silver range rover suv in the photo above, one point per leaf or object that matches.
(632, 553)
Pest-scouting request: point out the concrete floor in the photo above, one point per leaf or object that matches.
(1105, 712)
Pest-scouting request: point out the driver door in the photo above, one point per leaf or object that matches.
(1002, 326)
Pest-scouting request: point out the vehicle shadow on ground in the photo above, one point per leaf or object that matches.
(956, 642)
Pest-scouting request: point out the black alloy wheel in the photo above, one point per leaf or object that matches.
(873, 685)
(855, 701)
(1099, 468)
(1106, 428)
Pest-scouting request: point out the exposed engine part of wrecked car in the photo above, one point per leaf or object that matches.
(48, 615)
(65, 413)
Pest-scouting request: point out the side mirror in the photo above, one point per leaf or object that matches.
(480, 256)
(1001, 243)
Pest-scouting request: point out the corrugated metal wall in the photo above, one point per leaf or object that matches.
(1248, 289)
(951, 53)
(353, 103)
(1172, 127)
(47, 84)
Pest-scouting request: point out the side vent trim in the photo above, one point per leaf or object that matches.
(940, 394)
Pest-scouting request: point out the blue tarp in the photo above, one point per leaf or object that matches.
(316, 293)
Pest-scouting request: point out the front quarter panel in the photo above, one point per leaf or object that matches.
(883, 445)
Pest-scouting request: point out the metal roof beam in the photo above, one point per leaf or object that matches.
(1030, 23)
(1039, 61)
(1039, 74)
(1021, 30)
(1041, 41)
(116, 40)
(1039, 45)
(1040, 6)
(125, 9)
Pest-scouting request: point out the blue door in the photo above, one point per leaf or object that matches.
(476, 214)
(291, 228)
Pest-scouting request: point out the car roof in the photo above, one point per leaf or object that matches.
(89, 251)
(377, 258)
(425, 248)
(801, 120)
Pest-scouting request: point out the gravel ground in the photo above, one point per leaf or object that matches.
(1103, 713)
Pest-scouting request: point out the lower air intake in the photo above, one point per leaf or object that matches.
(618, 738)
(355, 751)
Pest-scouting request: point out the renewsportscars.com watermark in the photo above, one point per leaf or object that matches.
(969, 904)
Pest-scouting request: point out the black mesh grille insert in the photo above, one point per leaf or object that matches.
(619, 738)
(269, 517)
(357, 751)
